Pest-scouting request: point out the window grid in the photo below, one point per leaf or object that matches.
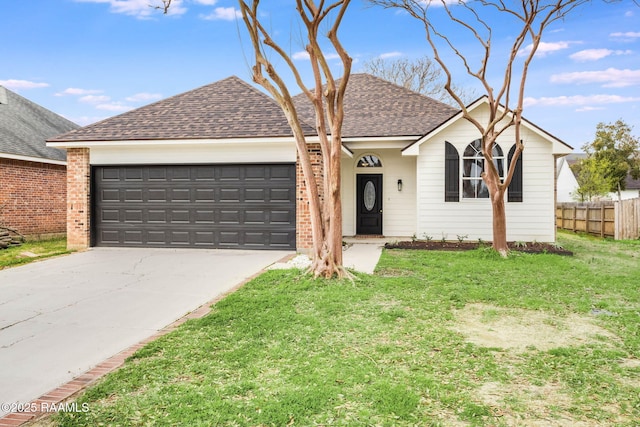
(473, 186)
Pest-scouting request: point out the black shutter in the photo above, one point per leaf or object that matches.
(451, 173)
(514, 192)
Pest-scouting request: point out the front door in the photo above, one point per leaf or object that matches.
(369, 200)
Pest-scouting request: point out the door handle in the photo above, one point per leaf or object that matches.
(380, 210)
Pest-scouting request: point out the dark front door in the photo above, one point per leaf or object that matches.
(369, 211)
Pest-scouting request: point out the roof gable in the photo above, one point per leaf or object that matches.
(25, 126)
(377, 108)
(559, 147)
(228, 108)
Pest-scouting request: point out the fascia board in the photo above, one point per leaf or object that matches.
(32, 159)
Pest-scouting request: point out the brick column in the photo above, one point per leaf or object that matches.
(78, 198)
(304, 237)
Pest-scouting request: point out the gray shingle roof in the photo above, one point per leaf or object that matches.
(25, 126)
(229, 108)
(376, 107)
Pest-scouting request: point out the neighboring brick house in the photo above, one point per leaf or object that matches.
(216, 167)
(32, 175)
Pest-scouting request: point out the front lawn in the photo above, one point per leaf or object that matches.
(32, 251)
(433, 338)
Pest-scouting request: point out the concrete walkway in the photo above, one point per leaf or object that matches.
(362, 257)
(62, 316)
(359, 256)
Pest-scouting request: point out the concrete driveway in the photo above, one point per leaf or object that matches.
(62, 316)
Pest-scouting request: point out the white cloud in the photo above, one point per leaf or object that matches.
(545, 48)
(587, 108)
(611, 77)
(144, 97)
(222, 14)
(439, 3)
(22, 84)
(584, 101)
(390, 55)
(206, 2)
(115, 107)
(627, 35)
(628, 14)
(140, 8)
(596, 54)
(94, 99)
(303, 55)
(78, 92)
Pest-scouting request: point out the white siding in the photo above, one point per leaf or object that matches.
(532, 219)
(399, 207)
(567, 183)
(184, 153)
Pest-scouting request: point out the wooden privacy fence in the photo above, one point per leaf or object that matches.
(617, 219)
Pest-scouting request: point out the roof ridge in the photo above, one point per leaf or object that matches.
(226, 108)
(399, 86)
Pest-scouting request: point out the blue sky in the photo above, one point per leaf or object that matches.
(91, 59)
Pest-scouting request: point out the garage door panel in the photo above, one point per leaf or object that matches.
(133, 195)
(180, 173)
(228, 206)
(110, 174)
(204, 195)
(110, 195)
(133, 237)
(254, 194)
(156, 194)
(133, 174)
(157, 174)
(133, 216)
(229, 173)
(204, 217)
(110, 236)
(281, 195)
(157, 216)
(229, 195)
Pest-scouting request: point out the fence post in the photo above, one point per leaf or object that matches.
(575, 210)
(602, 221)
(616, 220)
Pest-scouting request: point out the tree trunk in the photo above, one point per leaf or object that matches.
(496, 193)
(499, 223)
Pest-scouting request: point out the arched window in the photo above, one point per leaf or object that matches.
(473, 187)
(369, 161)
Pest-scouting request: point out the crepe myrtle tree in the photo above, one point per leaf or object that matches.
(326, 95)
(451, 27)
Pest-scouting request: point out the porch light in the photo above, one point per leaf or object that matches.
(399, 185)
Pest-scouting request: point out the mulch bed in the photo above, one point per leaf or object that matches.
(439, 245)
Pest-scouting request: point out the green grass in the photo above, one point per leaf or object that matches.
(383, 351)
(12, 256)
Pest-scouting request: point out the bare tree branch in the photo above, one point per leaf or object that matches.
(326, 95)
(506, 103)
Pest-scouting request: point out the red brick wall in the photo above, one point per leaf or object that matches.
(304, 238)
(33, 197)
(78, 198)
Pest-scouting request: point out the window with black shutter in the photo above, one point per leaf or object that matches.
(514, 192)
(451, 173)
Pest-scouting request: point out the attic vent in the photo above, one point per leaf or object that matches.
(3, 95)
